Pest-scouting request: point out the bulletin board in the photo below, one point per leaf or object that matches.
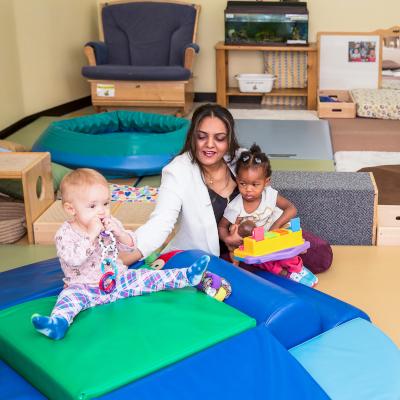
(349, 60)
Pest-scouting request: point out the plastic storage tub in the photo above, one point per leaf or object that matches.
(255, 82)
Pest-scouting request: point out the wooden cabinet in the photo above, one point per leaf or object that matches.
(222, 70)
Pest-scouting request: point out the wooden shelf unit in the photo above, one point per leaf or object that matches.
(34, 170)
(222, 73)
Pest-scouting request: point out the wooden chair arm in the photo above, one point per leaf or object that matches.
(89, 53)
(189, 58)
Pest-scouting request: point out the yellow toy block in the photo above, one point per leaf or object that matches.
(284, 239)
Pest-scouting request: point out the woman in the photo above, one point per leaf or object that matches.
(195, 188)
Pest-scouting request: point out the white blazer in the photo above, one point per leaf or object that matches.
(183, 197)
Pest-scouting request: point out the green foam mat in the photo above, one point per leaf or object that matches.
(112, 345)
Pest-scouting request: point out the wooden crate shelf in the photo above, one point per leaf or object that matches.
(222, 73)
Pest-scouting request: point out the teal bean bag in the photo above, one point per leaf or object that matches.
(117, 143)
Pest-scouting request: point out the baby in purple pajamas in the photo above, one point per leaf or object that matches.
(80, 247)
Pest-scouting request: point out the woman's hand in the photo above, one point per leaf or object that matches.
(233, 240)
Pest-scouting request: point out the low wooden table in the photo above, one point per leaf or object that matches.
(34, 170)
(132, 215)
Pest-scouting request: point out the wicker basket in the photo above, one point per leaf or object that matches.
(12, 221)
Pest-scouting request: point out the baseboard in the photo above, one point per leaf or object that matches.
(245, 99)
(205, 97)
(51, 112)
(211, 97)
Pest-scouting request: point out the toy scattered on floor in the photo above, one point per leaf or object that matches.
(211, 284)
(131, 194)
(277, 244)
(109, 255)
(215, 286)
(157, 261)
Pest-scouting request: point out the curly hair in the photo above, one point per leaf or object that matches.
(254, 158)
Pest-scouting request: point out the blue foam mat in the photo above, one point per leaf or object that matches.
(302, 140)
(252, 365)
(44, 278)
(332, 310)
(353, 360)
(14, 387)
(30, 282)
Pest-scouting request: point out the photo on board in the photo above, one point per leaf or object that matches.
(362, 51)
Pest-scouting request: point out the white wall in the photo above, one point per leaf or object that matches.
(11, 99)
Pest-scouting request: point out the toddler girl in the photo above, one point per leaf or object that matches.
(88, 245)
(260, 204)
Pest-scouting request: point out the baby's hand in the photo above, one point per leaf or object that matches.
(120, 234)
(112, 226)
(95, 227)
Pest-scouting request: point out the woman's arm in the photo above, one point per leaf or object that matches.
(156, 230)
(130, 258)
(229, 234)
(289, 212)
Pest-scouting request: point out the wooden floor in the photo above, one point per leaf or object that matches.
(368, 278)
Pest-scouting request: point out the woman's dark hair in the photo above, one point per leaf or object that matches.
(254, 158)
(210, 110)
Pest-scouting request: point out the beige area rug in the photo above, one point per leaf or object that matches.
(304, 115)
(351, 161)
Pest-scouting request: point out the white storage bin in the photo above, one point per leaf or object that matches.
(255, 82)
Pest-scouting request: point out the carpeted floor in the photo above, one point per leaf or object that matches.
(28, 135)
(365, 134)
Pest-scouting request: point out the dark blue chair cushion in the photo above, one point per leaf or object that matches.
(133, 73)
(148, 34)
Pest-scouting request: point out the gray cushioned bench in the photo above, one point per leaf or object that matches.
(337, 206)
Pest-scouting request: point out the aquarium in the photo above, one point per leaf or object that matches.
(266, 23)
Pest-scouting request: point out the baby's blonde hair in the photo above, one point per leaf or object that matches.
(81, 177)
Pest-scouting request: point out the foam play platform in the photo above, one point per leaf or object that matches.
(164, 328)
(294, 315)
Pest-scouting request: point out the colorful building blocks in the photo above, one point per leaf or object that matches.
(273, 245)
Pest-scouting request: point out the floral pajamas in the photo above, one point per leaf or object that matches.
(78, 297)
